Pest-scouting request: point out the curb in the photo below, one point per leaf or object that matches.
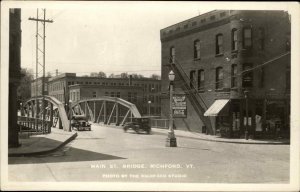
(46, 151)
(235, 142)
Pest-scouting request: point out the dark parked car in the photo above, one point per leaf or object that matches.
(80, 123)
(138, 124)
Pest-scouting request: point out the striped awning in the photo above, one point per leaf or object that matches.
(216, 107)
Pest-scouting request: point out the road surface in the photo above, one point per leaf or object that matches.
(109, 155)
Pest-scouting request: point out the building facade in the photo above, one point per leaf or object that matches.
(36, 86)
(234, 67)
(15, 40)
(81, 87)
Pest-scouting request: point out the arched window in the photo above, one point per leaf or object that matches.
(197, 49)
(201, 80)
(234, 39)
(172, 54)
(219, 78)
(219, 44)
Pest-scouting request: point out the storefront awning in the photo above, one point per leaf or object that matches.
(216, 107)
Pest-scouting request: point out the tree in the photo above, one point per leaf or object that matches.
(155, 76)
(137, 76)
(111, 76)
(24, 89)
(94, 74)
(49, 74)
(101, 74)
(124, 75)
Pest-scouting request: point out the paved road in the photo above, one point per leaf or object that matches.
(108, 155)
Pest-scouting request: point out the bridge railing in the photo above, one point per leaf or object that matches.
(31, 124)
(160, 123)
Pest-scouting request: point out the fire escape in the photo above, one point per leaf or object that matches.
(191, 92)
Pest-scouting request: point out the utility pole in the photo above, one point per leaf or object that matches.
(43, 37)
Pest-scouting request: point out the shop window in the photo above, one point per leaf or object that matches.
(219, 44)
(247, 38)
(196, 49)
(233, 75)
(201, 80)
(247, 75)
(219, 78)
(234, 40)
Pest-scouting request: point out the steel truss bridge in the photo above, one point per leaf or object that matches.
(102, 110)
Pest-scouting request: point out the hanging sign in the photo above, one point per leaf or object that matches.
(179, 106)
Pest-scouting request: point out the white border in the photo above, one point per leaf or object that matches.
(293, 9)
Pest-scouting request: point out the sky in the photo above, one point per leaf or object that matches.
(112, 37)
(109, 37)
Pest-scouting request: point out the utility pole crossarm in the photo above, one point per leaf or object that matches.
(42, 20)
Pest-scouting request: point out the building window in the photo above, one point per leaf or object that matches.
(172, 54)
(213, 17)
(112, 94)
(261, 38)
(234, 38)
(196, 49)
(219, 44)
(129, 96)
(106, 93)
(247, 38)
(262, 77)
(201, 80)
(219, 78)
(192, 79)
(233, 75)
(94, 94)
(222, 14)
(185, 26)
(247, 75)
(203, 20)
(194, 23)
(118, 94)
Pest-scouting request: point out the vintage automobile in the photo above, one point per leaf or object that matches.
(80, 123)
(138, 125)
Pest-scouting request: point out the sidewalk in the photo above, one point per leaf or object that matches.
(42, 144)
(214, 138)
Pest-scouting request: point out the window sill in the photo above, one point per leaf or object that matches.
(219, 55)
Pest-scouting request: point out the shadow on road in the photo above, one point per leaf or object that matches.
(66, 154)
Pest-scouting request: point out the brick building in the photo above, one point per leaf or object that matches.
(138, 91)
(230, 64)
(37, 85)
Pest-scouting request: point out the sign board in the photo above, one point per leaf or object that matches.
(179, 106)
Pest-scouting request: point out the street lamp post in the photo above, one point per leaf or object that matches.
(246, 99)
(171, 140)
(149, 110)
(70, 115)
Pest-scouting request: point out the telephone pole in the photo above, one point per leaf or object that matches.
(42, 65)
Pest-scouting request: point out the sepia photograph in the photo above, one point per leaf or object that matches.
(149, 96)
